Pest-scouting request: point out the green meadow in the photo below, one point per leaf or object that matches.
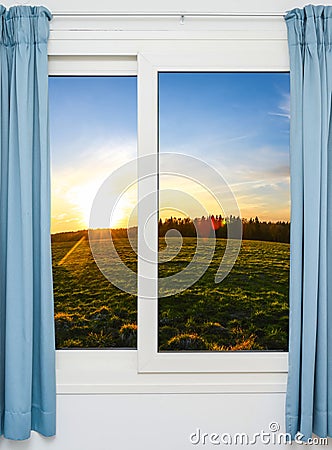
(248, 310)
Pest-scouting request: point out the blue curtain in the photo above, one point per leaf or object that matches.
(27, 353)
(309, 392)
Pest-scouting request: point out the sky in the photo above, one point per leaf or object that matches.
(93, 131)
(236, 122)
(239, 124)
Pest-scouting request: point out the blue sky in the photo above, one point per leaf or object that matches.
(237, 122)
(210, 107)
(88, 111)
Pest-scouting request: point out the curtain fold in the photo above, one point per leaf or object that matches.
(27, 353)
(309, 390)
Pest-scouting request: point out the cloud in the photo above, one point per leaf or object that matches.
(279, 114)
(283, 107)
(240, 137)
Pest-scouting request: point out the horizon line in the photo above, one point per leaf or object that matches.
(196, 218)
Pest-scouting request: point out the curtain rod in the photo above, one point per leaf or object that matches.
(180, 14)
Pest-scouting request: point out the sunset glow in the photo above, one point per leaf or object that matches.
(237, 123)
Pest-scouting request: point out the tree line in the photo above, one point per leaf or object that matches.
(252, 229)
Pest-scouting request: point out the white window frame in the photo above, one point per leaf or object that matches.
(92, 43)
(228, 58)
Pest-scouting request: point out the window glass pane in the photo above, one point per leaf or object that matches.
(93, 132)
(238, 125)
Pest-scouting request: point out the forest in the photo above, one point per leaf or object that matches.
(252, 229)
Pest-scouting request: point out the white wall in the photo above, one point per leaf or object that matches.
(156, 421)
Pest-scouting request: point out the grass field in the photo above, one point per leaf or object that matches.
(247, 310)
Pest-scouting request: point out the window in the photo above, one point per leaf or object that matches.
(94, 48)
(93, 132)
(235, 127)
(157, 68)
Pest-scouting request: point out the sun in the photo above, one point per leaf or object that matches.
(82, 197)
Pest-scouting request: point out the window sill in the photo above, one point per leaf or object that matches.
(115, 372)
